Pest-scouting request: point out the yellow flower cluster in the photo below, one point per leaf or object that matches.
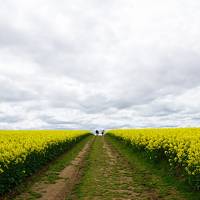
(181, 146)
(21, 151)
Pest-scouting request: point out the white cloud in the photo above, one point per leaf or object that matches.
(104, 64)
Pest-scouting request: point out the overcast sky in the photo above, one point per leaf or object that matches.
(72, 64)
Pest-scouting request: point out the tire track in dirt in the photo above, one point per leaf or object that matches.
(67, 178)
(127, 187)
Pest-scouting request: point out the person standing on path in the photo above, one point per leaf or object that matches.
(97, 132)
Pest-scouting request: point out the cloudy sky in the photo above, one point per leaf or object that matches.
(72, 64)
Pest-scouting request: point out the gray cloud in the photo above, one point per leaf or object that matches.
(11, 92)
(94, 64)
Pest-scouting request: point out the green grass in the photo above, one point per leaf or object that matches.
(94, 158)
(154, 175)
(93, 182)
(34, 195)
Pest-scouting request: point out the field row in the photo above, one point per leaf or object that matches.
(179, 146)
(24, 152)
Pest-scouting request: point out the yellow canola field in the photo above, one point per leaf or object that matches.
(22, 151)
(181, 146)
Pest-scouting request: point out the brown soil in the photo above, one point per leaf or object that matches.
(68, 177)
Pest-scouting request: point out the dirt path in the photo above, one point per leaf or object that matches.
(109, 176)
(101, 172)
(59, 189)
